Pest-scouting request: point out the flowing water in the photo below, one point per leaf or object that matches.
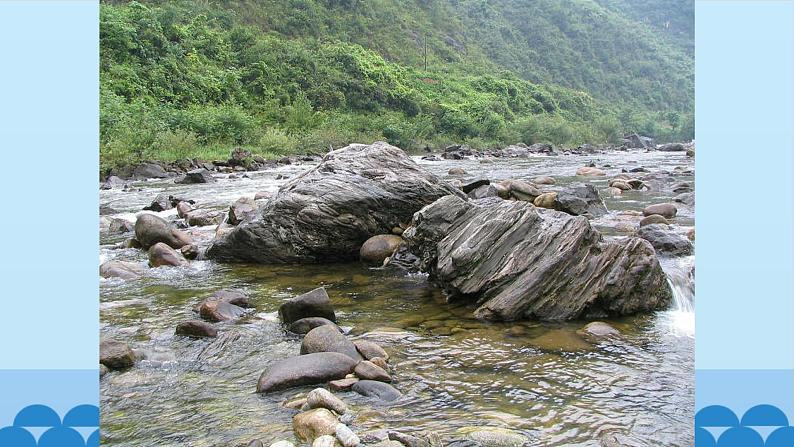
(543, 380)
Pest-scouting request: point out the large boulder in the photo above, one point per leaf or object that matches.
(161, 254)
(219, 310)
(315, 303)
(379, 390)
(520, 261)
(160, 203)
(377, 248)
(197, 176)
(309, 369)
(666, 210)
(327, 338)
(196, 328)
(665, 240)
(151, 229)
(580, 199)
(116, 354)
(326, 213)
(149, 170)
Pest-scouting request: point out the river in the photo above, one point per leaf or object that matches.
(540, 379)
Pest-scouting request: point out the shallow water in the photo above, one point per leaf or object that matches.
(541, 379)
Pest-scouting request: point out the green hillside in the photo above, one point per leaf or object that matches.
(194, 78)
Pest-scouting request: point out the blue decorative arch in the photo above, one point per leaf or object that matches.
(17, 437)
(716, 416)
(82, 416)
(37, 416)
(93, 440)
(61, 437)
(703, 438)
(740, 437)
(764, 416)
(782, 437)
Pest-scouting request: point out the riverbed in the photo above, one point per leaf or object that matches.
(543, 380)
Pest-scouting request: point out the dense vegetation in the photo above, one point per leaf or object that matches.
(194, 78)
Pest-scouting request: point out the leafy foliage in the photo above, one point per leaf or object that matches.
(197, 77)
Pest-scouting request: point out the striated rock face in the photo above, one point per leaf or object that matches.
(519, 261)
(328, 212)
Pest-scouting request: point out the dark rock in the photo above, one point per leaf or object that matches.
(687, 198)
(342, 384)
(377, 248)
(671, 147)
(307, 369)
(311, 304)
(328, 339)
(121, 226)
(113, 182)
(161, 254)
(653, 219)
(218, 310)
(471, 186)
(370, 350)
(149, 170)
(242, 209)
(115, 354)
(203, 218)
(665, 240)
(304, 325)
(403, 260)
(196, 328)
(379, 390)
(190, 251)
(367, 370)
(580, 199)
(635, 141)
(160, 203)
(197, 176)
(121, 269)
(151, 229)
(680, 188)
(483, 192)
(667, 210)
(232, 296)
(523, 255)
(328, 212)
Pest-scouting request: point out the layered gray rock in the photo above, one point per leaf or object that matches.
(519, 261)
(326, 213)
